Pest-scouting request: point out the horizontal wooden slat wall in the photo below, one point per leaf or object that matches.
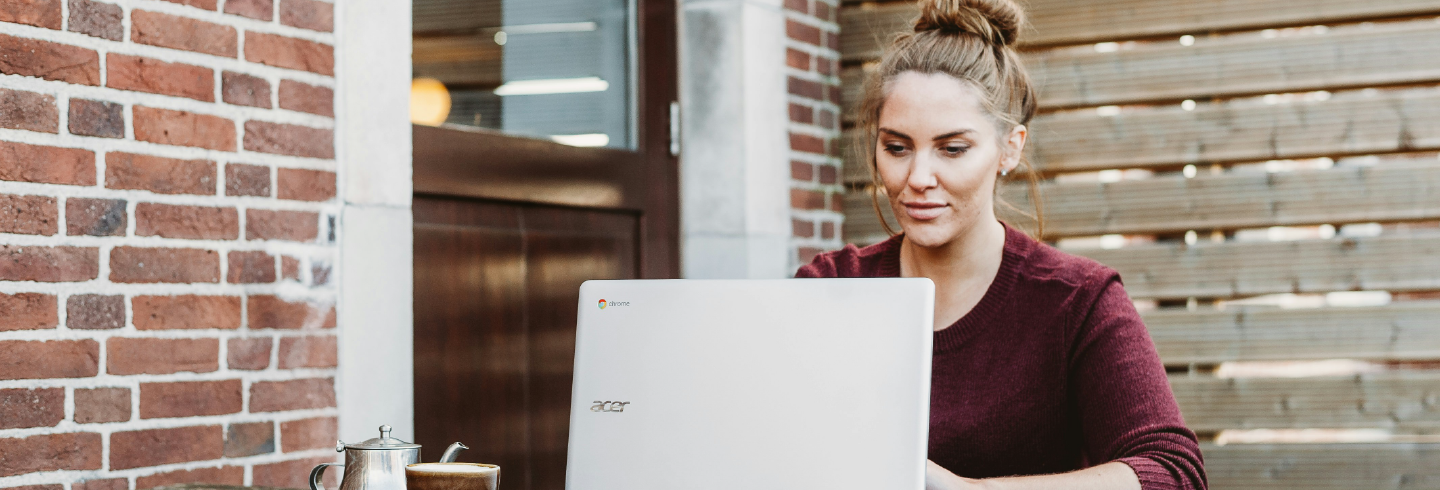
(1245, 181)
(1358, 123)
(1350, 124)
(1387, 54)
(1401, 400)
(1398, 332)
(1397, 191)
(1322, 466)
(1174, 204)
(1225, 270)
(866, 25)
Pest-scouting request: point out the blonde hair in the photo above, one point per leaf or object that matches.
(970, 40)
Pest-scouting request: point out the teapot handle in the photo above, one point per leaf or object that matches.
(317, 473)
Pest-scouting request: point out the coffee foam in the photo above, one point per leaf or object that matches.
(468, 468)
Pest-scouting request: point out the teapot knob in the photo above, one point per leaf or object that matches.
(384, 432)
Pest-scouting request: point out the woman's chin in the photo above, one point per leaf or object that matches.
(928, 233)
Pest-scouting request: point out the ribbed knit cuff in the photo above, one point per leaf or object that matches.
(1153, 475)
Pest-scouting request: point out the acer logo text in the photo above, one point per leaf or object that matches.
(600, 406)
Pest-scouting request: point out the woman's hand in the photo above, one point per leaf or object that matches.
(939, 478)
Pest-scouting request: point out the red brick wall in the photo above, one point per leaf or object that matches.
(167, 209)
(812, 60)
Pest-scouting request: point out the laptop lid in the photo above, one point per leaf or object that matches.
(751, 384)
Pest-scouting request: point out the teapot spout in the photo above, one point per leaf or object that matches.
(452, 452)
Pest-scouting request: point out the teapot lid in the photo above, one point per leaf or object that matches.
(382, 442)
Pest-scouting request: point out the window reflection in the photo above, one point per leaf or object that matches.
(557, 69)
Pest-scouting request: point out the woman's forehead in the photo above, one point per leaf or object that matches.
(931, 101)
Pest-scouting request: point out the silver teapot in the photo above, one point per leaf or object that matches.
(377, 464)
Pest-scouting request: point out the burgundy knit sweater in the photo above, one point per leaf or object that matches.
(1051, 372)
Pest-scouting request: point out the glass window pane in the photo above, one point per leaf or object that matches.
(557, 69)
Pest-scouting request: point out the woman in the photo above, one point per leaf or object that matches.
(1043, 374)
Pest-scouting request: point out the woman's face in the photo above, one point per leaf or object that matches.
(938, 156)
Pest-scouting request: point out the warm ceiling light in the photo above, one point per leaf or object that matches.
(429, 102)
(553, 86)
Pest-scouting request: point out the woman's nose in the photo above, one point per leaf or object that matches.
(922, 175)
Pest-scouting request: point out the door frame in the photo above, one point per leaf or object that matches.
(485, 164)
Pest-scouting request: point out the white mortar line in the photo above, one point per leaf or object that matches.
(169, 55)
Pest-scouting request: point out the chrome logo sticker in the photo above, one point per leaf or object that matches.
(604, 303)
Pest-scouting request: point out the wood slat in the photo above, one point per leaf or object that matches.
(1322, 466)
(861, 226)
(1352, 124)
(1240, 65)
(1402, 331)
(1237, 269)
(1349, 124)
(1398, 191)
(1388, 54)
(865, 28)
(1231, 269)
(1392, 192)
(1399, 400)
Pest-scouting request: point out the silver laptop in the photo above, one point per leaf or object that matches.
(758, 385)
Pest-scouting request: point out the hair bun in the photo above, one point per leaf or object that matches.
(997, 21)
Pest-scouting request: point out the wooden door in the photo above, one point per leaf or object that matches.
(495, 296)
(506, 230)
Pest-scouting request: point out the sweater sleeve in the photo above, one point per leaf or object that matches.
(815, 269)
(824, 265)
(1126, 409)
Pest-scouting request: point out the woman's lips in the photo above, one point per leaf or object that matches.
(925, 211)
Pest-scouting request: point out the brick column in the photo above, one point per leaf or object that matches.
(168, 210)
(812, 68)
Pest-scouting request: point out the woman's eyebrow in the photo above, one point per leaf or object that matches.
(895, 133)
(953, 134)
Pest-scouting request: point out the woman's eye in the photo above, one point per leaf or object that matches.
(955, 150)
(895, 149)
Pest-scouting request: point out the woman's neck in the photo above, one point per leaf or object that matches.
(962, 269)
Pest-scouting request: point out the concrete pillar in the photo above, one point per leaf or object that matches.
(735, 209)
(376, 378)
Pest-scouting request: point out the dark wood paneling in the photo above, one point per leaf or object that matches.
(470, 363)
(564, 248)
(658, 87)
(497, 285)
(487, 164)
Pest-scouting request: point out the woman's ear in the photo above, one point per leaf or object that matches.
(1014, 148)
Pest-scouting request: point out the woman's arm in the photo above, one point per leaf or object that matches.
(1122, 397)
(1108, 476)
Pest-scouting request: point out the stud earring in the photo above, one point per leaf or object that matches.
(1004, 172)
